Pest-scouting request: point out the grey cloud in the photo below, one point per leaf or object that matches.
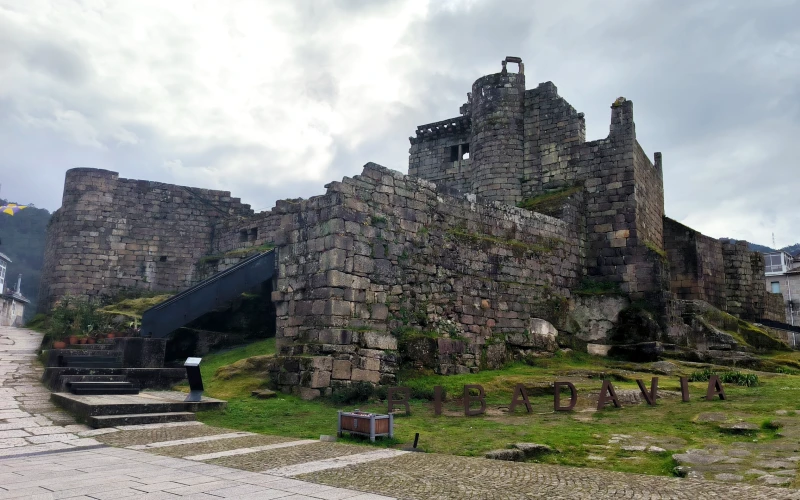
(708, 79)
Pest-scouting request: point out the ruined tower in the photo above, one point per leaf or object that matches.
(497, 137)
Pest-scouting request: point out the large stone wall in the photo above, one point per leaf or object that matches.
(552, 128)
(775, 308)
(434, 153)
(498, 135)
(113, 233)
(697, 269)
(389, 255)
(744, 271)
(624, 199)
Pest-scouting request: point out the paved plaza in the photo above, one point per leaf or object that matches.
(44, 454)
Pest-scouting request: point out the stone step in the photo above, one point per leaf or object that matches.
(90, 361)
(83, 406)
(103, 391)
(51, 355)
(102, 421)
(63, 382)
(92, 347)
(145, 378)
(92, 387)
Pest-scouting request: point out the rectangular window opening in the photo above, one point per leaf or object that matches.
(253, 235)
(243, 235)
(163, 258)
(776, 287)
(459, 152)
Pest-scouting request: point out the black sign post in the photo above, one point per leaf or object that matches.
(195, 379)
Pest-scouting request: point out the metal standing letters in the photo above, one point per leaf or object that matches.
(573, 397)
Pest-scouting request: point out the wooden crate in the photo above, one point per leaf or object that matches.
(366, 424)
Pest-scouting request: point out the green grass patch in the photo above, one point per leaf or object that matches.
(576, 434)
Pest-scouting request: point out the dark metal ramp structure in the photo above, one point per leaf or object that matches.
(166, 317)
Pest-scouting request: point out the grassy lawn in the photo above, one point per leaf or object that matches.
(580, 435)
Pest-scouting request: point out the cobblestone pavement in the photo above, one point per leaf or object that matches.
(44, 455)
(29, 422)
(432, 476)
(79, 463)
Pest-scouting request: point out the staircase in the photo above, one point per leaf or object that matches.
(91, 369)
(177, 311)
(101, 384)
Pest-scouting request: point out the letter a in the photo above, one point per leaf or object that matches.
(651, 396)
(468, 398)
(519, 390)
(715, 388)
(607, 394)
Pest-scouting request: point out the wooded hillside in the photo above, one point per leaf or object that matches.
(22, 239)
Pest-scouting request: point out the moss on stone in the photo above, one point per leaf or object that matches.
(134, 308)
(597, 286)
(238, 253)
(518, 248)
(655, 249)
(549, 203)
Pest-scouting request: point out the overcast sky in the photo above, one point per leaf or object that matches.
(273, 99)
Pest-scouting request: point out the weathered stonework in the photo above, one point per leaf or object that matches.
(113, 233)
(437, 269)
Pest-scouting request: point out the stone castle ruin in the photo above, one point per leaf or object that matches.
(511, 235)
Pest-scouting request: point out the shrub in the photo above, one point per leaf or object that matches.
(701, 375)
(358, 392)
(75, 316)
(737, 377)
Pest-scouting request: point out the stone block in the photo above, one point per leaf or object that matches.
(320, 379)
(375, 340)
(341, 369)
(363, 264)
(308, 394)
(324, 363)
(380, 312)
(360, 375)
(332, 259)
(512, 455)
(598, 349)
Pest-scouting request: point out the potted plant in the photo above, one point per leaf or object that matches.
(59, 344)
(73, 339)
